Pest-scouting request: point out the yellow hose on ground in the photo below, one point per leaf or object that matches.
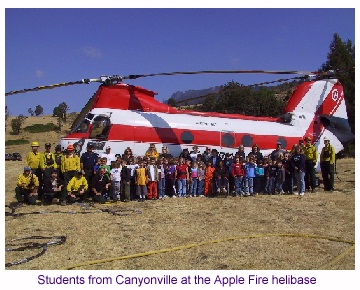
(337, 258)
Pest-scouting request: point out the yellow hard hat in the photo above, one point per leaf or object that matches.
(34, 144)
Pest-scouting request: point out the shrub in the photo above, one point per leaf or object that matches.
(16, 142)
(39, 128)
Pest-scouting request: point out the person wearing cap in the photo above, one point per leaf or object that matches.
(88, 161)
(278, 152)
(311, 156)
(47, 164)
(109, 156)
(77, 188)
(33, 159)
(54, 188)
(26, 187)
(70, 164)
(327, 164)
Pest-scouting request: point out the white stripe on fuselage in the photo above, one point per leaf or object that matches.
(189, 122)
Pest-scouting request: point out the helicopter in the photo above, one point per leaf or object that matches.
(124, 116)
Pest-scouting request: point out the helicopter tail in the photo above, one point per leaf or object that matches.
(318, 108)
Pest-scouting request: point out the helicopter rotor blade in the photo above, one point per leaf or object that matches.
(117, 79)
(131, 77)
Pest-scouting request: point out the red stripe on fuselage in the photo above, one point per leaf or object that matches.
(120, 132)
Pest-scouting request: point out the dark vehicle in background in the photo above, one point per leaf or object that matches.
(8, 157)
(17, 157)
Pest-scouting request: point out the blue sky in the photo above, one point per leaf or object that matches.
(50, 46)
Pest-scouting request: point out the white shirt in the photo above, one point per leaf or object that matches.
(109, 157)
(116, 174)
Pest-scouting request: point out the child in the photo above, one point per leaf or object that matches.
(280, 177)
(97, 165)
(152, 176)
(238, 172)
(249, 170)
(115, 174)
(182, 175)
(141, 181)
(125, 181)
(161, 179)
(209, 175)
(169, 169)
(259, 177)
(272, 176)
(133, 166)
(201, 179)
(221, 178)
(106, 167)
(288, 185)
(194, 179)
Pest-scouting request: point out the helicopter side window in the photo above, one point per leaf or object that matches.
(100, 127)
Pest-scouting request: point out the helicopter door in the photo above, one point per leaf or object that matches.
(100, 128)
(227, 139)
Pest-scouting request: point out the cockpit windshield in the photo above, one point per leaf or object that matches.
(100, 127)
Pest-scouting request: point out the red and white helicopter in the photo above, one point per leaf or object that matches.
(120, 115)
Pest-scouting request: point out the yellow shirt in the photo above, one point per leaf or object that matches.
(70, 163)
(33, 160)
(47, 160)
(328, 154)
(140, 178)
(310, 153)
(75, 183)
(24, 181)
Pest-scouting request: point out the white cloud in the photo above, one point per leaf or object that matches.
(92, 52)
(39, 73)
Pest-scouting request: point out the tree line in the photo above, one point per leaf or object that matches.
(59, 111)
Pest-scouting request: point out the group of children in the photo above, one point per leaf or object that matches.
(153, 178)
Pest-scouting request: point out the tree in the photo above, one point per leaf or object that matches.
(31, 112)
(60, 111)
(38, 110)
(341, 58)
(171, 102)
(17, 123)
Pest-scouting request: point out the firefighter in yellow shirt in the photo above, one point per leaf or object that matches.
(27, 185)
(327, 165)
(33, 161)
(70, 164)
(311, 156)
(77, 188)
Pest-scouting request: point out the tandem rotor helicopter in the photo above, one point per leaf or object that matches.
(120, 115)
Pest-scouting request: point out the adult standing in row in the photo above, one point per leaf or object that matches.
(33, 161)
(70, 164)
(310, 162)
(298, 163)
(87, 162)
(327, 164)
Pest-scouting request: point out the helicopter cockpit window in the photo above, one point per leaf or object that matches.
(100, 127)
(82, 127)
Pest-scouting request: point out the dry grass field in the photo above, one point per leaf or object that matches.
(253, 233)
